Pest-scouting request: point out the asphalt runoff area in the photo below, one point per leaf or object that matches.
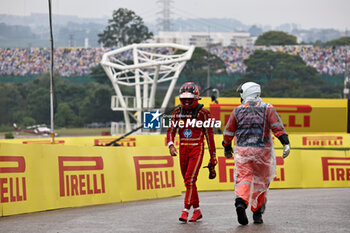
(288, 210)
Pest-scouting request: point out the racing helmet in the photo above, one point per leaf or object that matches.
(249, 90)
(189, 95)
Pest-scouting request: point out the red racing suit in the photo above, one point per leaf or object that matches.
(254, 156)
(191, 148)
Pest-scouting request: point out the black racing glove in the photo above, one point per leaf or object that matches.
(228, 150)
(211, 166)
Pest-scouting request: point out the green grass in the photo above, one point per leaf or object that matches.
(81, 131)
(64, 132)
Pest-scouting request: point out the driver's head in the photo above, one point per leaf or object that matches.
(189, 95)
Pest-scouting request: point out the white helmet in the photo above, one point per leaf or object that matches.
(249, 90)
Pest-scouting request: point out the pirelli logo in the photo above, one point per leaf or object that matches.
(297, 116)
(13, 185)
(81, 175)
(226, 170)
(128, 142)
(154, 172)
(322, 141)
(336, 168)
(294, 116)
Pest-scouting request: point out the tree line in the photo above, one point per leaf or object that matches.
(75, 104)
(280, 38)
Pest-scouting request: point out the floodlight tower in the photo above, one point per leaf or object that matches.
(151, 64)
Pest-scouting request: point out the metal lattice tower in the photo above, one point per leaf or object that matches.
(166, 14)
(145, 66)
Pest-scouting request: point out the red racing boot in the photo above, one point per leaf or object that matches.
(184, 216)
(196, 215)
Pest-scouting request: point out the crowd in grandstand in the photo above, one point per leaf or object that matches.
(35, 61)
(79, 61)
(326, 60)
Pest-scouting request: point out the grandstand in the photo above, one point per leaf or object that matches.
(79, 61)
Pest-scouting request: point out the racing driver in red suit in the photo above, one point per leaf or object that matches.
(191, 145)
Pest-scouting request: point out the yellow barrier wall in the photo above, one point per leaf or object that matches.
(42, 177)
(298, 115)
(36, 177)
(314, 141)
(301, 169)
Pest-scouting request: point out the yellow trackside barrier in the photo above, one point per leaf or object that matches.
(314, 141)
(36, 177)
(301, 169)
(42, 177)
(300, 141)
(319, 141)
(298, 115)
(131, 141)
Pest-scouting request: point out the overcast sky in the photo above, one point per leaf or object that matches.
(305, 13)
